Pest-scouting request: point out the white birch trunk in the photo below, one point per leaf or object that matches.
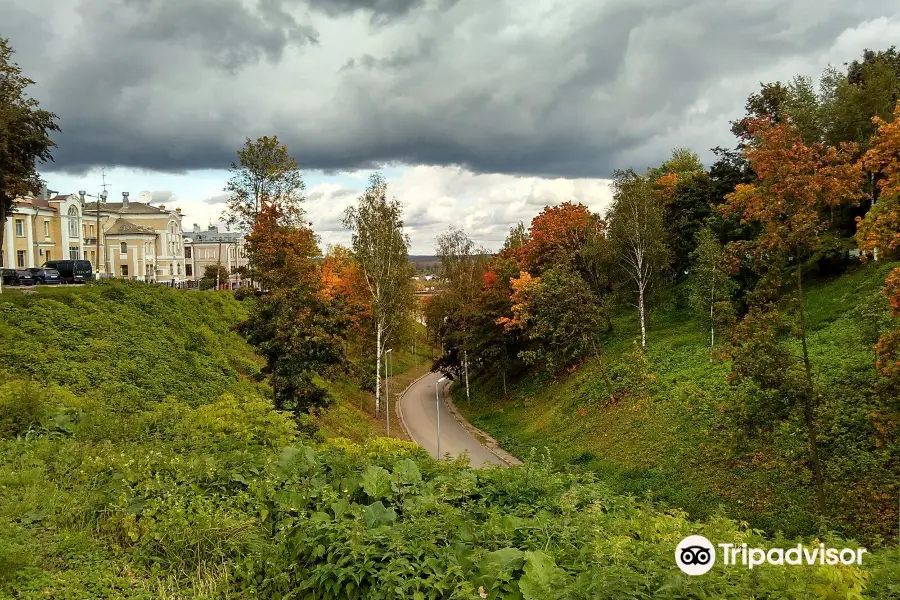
(378, 369)
(466, 362)
(641, 312)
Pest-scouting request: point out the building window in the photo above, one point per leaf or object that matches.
(20, 258)
(73, 222)
(20, 228)
(46, 256)
(187, 252)
(93, 257)
(189, 269)
(92, 231)
(2, 259)
(46, 228)
(124, 270)
(73, 253)
(123, 248)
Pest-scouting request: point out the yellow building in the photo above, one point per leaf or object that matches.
(136, 239)
(41, 229)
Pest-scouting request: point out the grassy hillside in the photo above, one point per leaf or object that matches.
(677, 445)
(139, 461)
(127, 345)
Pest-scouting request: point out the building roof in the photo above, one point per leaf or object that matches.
(214, 236)
(124, 227)
(132, 208)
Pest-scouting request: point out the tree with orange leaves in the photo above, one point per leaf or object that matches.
(880, 229)
(557, 236)
(291, 322)
(796, 184)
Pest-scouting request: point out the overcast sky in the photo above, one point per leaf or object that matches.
(480, 112)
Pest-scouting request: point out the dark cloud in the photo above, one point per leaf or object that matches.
(576, 89)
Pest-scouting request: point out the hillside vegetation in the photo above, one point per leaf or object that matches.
(132, 483)
(677, 443)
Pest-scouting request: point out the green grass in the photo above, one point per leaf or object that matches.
(677, 447)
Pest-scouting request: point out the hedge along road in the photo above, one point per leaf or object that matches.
(417, 407)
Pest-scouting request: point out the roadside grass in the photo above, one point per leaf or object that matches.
(677, 447)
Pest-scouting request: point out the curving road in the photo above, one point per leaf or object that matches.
(417, 407)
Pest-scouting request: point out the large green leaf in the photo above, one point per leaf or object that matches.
(377, 515)
(542, 580)
(376, 482)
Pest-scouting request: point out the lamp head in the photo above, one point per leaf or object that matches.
(82, 194)
(103, 196)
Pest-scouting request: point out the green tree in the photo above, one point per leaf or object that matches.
(710, 286)
(25, 131)
(381, 250)
(560, 314)
(213, 274)
(265, 174)
(637, 235)
(461, 272)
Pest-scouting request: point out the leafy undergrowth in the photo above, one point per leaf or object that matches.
(126, 489)
(678, 445)
(225, 501)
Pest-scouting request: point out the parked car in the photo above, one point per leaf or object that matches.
(45, 276)
(72, 271)
(17, 277)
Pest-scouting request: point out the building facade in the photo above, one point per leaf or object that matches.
(41, 229)
(210, 247)
(133, 240)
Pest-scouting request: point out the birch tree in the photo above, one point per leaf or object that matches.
(710, 287)
(265, 174)
(462, 267)
(382, 251)
(636, 232)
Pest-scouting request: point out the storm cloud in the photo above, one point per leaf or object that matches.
(527, 87)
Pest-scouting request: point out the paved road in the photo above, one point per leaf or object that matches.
(418, 409)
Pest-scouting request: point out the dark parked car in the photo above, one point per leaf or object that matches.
(17, 277)
(45, 276)
(72, 271)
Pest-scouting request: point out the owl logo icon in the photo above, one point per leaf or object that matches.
(695, 555)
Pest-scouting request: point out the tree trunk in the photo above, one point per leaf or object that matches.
(466, 363)
(809, 403)
(377, 369)
(3, 217)
(504, 382)
(641, 313)
(712, 317)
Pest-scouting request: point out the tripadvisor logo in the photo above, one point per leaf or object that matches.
(696, 555)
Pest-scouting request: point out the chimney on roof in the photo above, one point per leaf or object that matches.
(162, 207)
(196, 228)
(177, 211)
(213, 228)
(124, 199)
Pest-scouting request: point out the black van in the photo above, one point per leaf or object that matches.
(72, 271)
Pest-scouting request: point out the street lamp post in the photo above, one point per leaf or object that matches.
(437, 407)
(387, 389)
(101, 199)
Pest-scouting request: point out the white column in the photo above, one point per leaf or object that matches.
(135, 259)
(29, 239)
(80, 237)
(9, 258)
(64, 229)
